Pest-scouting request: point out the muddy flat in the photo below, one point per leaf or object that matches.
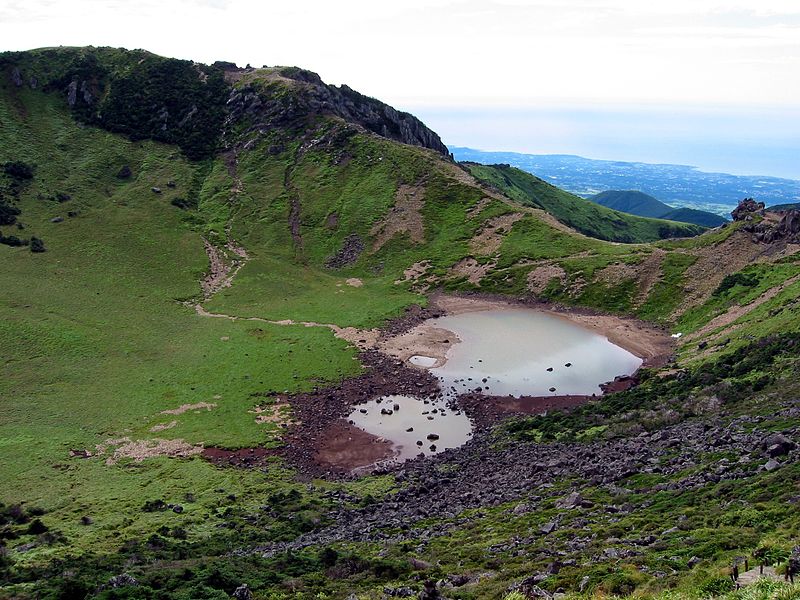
(414, 426)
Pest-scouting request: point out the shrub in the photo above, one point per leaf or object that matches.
(37, 527)
(716, 586)
(182, 203)
(12, 240)
(37, 245)
(8, 213)
(18, 170)
(730, 281)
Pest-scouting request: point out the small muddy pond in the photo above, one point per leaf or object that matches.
(525, 352)
(500, 352)
(413, 426)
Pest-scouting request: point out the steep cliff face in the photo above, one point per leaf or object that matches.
(289, 96)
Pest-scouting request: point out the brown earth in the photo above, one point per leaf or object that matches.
(715, 262)
(423, 340)
(491, 236)
(540, 277)
(404, 217)
(139, 450)
(187, 407)
(346, 447)
(648, 274)
(471, 269)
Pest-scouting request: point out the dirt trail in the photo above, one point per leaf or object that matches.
(754, 574)
(364, 339)
(224, 261)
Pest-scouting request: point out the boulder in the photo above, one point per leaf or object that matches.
(747, 208)
(777, 444)
(242, 593)
(548, 528)
(72, 93)
(573, 500)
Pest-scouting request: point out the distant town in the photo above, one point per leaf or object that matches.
(676, 185)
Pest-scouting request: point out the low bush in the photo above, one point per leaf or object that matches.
(37, 245)
(18, 170)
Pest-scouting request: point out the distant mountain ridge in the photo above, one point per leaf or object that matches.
(590, 218)
(633, 202)
(678, 185)
(638, 203)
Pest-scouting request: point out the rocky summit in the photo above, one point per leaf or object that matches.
(210, 271)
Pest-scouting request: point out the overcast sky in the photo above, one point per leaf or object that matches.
(414, 54)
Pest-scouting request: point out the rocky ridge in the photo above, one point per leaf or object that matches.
(270, 105)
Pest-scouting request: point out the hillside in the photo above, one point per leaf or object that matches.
(228, 252)
(611, 225)
(633, 202)
(673, 184)
(644, 205)
(692, 215)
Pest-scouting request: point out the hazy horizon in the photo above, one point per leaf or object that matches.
(702, 82)
(738, 142)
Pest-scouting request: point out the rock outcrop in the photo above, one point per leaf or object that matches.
(747, 209)
(765, 228)
(269, 105)
(16, 77)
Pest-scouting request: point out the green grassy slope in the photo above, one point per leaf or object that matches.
(638, 203)
(580, 214)
(98, 336)
(632, 202)
(95, 341)
(691, 215)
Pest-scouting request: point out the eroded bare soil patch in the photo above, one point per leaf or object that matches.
(490, 237)
(404, 217)
(187, 407)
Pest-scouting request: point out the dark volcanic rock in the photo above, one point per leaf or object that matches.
(348, 254)
(747, 208)
(778, 444)
(269, 107)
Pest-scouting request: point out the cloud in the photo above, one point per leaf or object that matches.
(470, 51)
